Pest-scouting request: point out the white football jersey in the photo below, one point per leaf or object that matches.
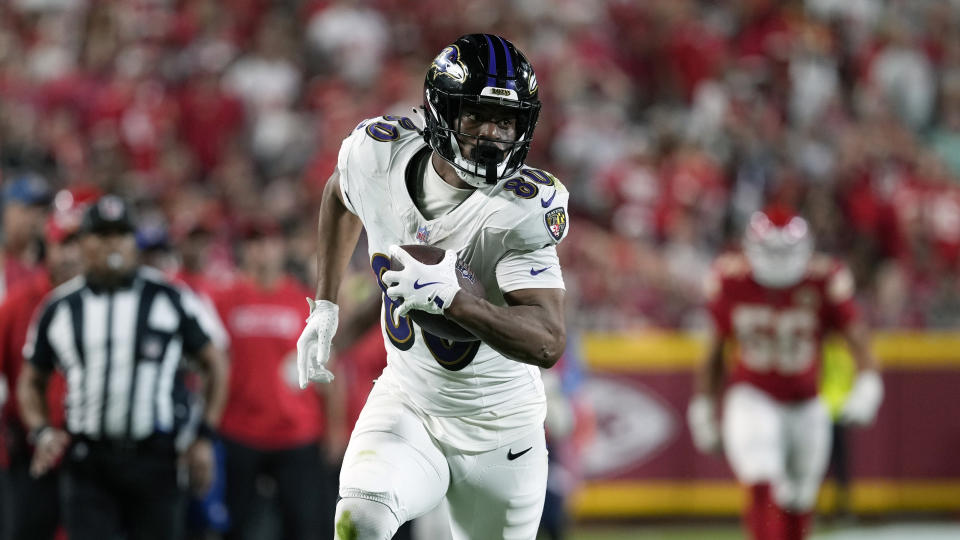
(470, 396)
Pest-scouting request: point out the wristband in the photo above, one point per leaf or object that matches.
(206, 431)
(34, 434)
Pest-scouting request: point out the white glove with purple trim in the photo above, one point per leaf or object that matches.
(864, 399)
(427, 287)
(313, 347)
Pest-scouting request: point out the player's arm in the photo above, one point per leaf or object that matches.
(213, 361)
(337, 232)
(710, 375)
(708, 385)
(857, 336)
(200, 461)
(709, 378)
(867, 392)
(49, 442)
(31, 389)
(39, 360)
(530, 329)
(865, 396)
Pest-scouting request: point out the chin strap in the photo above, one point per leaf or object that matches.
(489, 156)
(491, 176)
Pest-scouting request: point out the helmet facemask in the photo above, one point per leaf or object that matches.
(489, 160)
(778, 255)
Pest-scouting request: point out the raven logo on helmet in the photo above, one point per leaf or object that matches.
(448, 63)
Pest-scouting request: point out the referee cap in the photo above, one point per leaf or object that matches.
(109, 214)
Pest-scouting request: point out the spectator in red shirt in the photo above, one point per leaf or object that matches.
(210, 118)
(25, 197)
(270, 426)
(34, 507)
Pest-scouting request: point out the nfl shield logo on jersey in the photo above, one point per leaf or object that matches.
(152, 347)
(423, 234)
(556, 221)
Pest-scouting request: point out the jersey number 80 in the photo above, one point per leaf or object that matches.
(451, 355)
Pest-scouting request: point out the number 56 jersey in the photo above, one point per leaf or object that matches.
(778, 333)
(469, 395)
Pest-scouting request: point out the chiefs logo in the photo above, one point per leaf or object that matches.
(448, 64)
(634, 424)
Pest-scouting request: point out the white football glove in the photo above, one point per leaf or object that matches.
(313, 347)
(704, 428)
(864, 399)
(427, 287)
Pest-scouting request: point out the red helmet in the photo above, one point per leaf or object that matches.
(778, 244)
(67, 212)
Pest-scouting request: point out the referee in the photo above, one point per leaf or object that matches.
(119, 332)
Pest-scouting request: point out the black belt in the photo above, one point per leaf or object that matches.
(159, 443)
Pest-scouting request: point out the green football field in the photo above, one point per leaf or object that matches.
(888, 531)
(657, 533)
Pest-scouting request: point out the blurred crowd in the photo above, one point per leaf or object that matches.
(670, 121)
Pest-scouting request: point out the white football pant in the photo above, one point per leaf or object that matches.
(393, 460)
(784, 444)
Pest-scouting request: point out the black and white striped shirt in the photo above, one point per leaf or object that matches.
(120, 350)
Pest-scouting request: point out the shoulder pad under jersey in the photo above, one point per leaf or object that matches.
(839, 285)
(372, 145)
(731, 266)
(537, 208)
(367, 154)
(725, 268)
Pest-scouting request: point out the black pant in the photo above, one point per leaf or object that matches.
(114, 491)
(33, 504)
(302, 496)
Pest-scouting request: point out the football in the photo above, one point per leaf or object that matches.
(439, 325)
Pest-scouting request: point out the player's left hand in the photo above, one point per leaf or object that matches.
(427, 287)
(864, 399)
(201, 465)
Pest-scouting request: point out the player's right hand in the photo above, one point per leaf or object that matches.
(313, 347)
(50, 444)
(704, 428)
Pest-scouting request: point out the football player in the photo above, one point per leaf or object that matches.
(771, 305)
(460, 421)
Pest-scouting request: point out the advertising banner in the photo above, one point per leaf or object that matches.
(640, 460)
